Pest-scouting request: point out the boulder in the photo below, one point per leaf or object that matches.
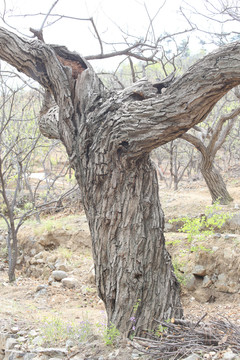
(199, 270)
(58, 275)
(234, 222)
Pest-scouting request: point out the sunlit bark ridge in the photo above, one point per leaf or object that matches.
(108, 137)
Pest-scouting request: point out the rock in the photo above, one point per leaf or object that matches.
(41, 287)
(50, 280)
(69, 344)
(202, 295)
(227, 287)
(92, 276)
(21, 339)
(199, 270)
(234, 222)
(214, 278)
(33, 333)
(40, 261)
(206, 281)
(36, 272)
(56, 284)
(168, 227)
(136, 356)
(3, 339)
(10, 343)
(53, 352)
(59, 275)
(33, 252)
(14, 355)
(70, 283)
(229, 356)
(14, 329)
(38, 340)
(78, 357)
(29, 356)
(61, 266)
(190, 282)
(41, 293)
(114, 355)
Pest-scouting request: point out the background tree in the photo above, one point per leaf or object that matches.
(15, 154)
(21, 148)
(208, 141)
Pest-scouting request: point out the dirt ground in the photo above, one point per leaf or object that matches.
(21, 305)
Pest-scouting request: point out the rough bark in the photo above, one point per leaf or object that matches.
(108, 137)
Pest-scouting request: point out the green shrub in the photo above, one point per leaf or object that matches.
(199, 228)
(111, 334)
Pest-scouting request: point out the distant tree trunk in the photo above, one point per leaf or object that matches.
(215, 182)
(108, 137)
(12, 256)
(212, 176)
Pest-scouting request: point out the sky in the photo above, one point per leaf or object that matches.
(110, 17)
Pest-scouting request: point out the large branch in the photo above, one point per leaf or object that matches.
(33, 58)
(195, 142)
(40, 62)
(153, 122)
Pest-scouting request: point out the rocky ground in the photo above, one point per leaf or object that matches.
(54, 300)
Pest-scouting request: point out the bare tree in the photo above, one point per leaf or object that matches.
(208, 141)
(21, 144)
(177, 161)
(15, 154)
(215, 21)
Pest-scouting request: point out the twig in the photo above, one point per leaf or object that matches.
(183, 337)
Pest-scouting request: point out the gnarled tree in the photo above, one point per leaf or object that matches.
(108, 137)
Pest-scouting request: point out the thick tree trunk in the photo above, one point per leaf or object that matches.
(215, 182)
(131, 262)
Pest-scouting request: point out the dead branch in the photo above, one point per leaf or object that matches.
(184, 337)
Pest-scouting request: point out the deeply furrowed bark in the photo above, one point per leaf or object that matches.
(108, 137)
(131, 261)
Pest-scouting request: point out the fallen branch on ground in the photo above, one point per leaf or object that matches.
(180, 338)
